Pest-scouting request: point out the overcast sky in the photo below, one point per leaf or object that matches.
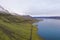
(33, 7)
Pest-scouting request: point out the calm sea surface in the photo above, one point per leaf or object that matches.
(49, 29)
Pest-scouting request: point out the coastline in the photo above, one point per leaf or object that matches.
(35, 35)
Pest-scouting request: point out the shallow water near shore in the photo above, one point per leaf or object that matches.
(49, 29)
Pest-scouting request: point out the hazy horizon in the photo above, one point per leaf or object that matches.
(33, 7)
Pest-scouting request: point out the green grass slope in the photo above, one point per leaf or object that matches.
(16, 28)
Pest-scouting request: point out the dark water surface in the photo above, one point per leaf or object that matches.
(49, 29)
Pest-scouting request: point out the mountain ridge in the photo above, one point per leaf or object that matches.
(14, 27)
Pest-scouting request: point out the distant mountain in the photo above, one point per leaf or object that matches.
(3, 10)
(52, 17)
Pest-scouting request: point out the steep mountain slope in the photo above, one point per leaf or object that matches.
(16, 28)
(2, 10)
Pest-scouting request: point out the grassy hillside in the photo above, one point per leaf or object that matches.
(16, 28)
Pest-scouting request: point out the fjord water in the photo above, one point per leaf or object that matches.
(49, 29)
